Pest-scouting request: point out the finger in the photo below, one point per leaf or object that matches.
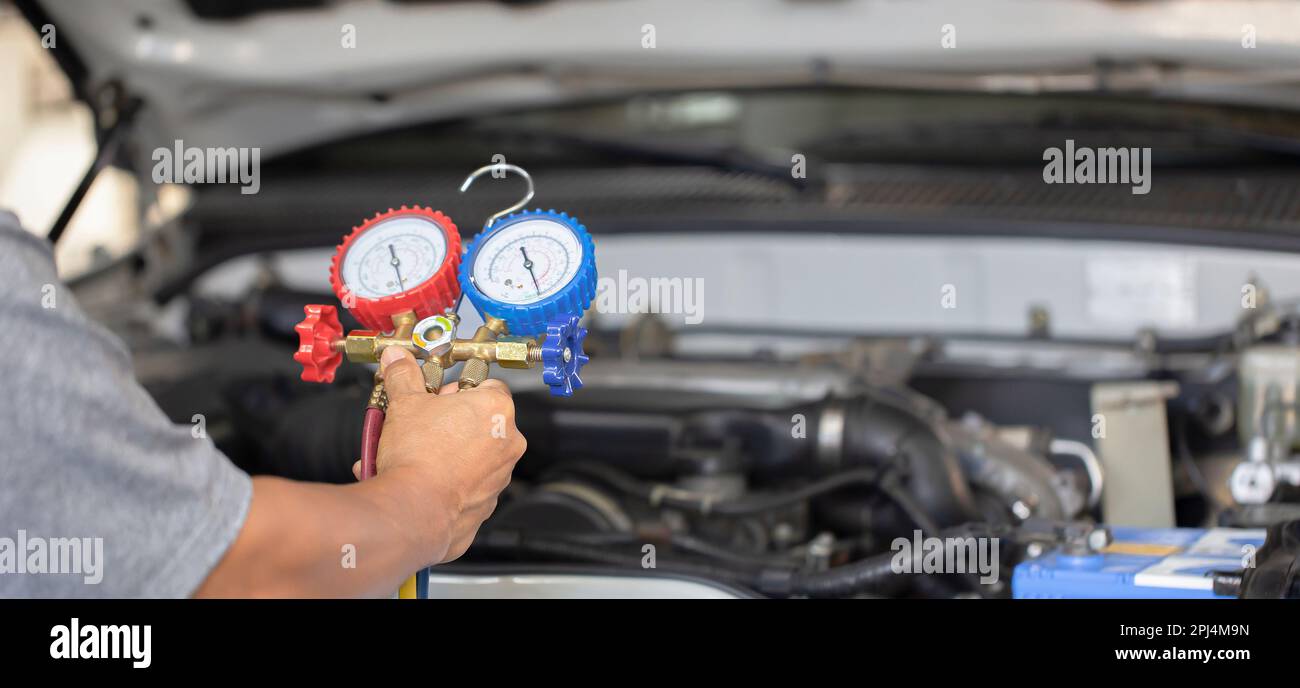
(449, 389)
(493, 385)
(356, 470)
(402, 376)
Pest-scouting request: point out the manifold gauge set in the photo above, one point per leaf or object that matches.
(402, 274)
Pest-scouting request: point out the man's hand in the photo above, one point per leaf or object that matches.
(456, 449)
(443, 459)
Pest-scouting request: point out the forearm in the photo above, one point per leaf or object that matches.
(315, 540)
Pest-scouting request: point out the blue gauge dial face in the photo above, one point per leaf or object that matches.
(527, 261)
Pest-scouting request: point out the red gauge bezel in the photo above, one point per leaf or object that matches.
(431, 297)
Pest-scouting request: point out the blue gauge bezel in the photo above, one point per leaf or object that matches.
(530, 319)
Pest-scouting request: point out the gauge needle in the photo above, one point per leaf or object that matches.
(528, 265)
(396, 263)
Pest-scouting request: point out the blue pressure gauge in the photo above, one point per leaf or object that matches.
(531, 269)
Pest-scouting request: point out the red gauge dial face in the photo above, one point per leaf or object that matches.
(402, 260)
(393, 256)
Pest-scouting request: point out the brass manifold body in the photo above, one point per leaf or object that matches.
(491, 343)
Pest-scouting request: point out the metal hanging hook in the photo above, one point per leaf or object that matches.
(507, 168)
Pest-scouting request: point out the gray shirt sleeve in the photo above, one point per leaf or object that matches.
(100, 494)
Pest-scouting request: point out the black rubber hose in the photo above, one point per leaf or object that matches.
(672, 496)
(882, 433)
(875, 575)
(873, 432)
(908, 504)
(759, 502)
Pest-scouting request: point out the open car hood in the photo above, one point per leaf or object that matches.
(282, 79)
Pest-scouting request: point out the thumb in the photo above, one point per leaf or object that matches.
(402, 376)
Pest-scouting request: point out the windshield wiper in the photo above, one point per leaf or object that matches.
(727, 158)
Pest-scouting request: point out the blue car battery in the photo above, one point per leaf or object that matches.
(1140, 563)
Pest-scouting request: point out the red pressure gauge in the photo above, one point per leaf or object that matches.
(401, 260)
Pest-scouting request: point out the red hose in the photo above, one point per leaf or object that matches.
(371, 426)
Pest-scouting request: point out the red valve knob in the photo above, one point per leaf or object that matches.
(316, 336)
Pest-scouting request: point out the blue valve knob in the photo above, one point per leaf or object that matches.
(562, 356)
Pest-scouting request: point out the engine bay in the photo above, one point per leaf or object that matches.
(805, 467)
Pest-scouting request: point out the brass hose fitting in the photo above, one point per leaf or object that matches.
(432, 375)
(475, 370)
(473, 374)
(378, 396)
